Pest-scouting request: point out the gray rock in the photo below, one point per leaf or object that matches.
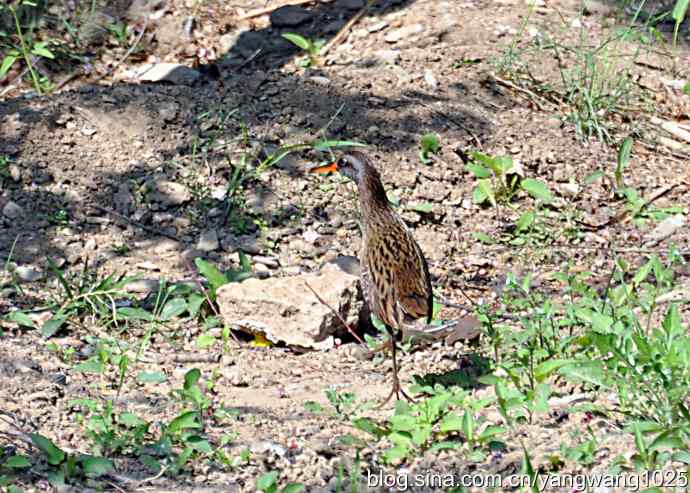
(142, 286)
(249, 244)
(403, 32)
(123, 199)
(15, 172)
(350, 4)
(664, 229)
(27, 273)
(208, 241)
(12, 210)
(169, 193)
(377, 26)
(164, 72)
(388, 57)
(285, 310)
(289, 16)
(168, 111)
(430, 79)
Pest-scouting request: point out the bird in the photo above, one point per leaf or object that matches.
(393, 270)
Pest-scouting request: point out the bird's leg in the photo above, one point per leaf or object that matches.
(397, 388)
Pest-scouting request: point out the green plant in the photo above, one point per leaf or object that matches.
(429, 144)
(27, 48)
(312, 47)
(444, 420)
(268, 483)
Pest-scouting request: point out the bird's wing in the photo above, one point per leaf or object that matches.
(413, 283)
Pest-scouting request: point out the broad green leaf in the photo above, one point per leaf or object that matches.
(214, 277)
(20, 318)
(594, 176)
(545, 369)
(430, 143)
(41, 49)
(590, 372)
(451, 422)
(204, 341)
(536, 189)
(95, 466)
(525, 221)
(191, 378)
(173, 308)
(601, 323)
(199, 444)
(403, 422)
(484, 238)
(52, 325)
(396, 453)
(151, 377)
(267, 481)
(487, 191)
(368, 426)
(297, 40)
(16, 462)
(129, 313)
(490, 432)
(91, 365)
(194, 304)
(53, 454)
(130, 419)
(7, 63)
(686, 88)
(186, 420)
(672, 322)
(478, 170)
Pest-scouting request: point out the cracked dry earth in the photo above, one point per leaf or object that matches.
(132, 177)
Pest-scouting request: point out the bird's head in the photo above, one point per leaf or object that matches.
(354, 165)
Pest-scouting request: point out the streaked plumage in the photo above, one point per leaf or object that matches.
(394, 273)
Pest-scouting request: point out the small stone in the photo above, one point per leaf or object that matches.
(430, 79)
(169, 72)
(403, 32)
(142, 286)
(388, 57)
(319, 80)
(168, 111)
(249, 244)
(12, 210)
(377, 26)
(665, 229)
(208, 241)
(267, 261)
(569, 189)
(27, 273)
(169, 193)
(15, 172)
(289, 16)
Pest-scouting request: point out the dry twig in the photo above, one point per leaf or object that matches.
(342, 321)
(335, 41)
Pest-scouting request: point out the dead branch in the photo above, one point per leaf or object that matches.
(342, 321)
(335, 41)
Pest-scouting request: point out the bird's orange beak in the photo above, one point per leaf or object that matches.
(325, 168)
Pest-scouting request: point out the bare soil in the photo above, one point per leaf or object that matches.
(87, 156)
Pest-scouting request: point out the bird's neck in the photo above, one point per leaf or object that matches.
(373, 201)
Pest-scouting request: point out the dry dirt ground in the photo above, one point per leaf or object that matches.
(88, 157)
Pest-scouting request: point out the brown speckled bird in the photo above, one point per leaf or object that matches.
(394, 273)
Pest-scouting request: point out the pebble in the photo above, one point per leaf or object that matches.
(28, 274)
(430, 79)
(403, 32)
(377, 26)
(12, 210)
(208, 241)
(169, 193)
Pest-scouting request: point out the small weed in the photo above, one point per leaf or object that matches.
(268, 483)
(429, 144)
(310, 46)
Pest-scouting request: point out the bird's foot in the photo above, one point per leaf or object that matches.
(397, 390)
